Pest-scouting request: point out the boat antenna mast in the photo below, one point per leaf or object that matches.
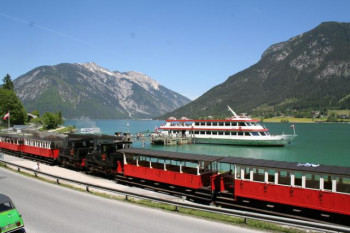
(233, 112)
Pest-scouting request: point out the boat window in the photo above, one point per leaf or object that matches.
(234, 123)
(246, 134)
(262, 134)
(241, 124)
(196, 123)
(203, 123)
(240, 133)
(254, 133)
(214, 123)
(221, 123)
(221, 133)
(312, 181)
(343, 185)
(208, 133)
(196, 132)
(233, 133)
(202, 132)
(214, 133)
(248, 124)
(227, 124)
(227, 133)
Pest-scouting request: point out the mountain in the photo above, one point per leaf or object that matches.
(308, 72)
(91, 91)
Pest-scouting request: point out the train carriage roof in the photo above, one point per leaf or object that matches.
(170, 155)
(304, 167)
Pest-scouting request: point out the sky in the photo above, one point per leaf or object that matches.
(188, 46)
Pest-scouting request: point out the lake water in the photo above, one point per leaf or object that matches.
(316, 143)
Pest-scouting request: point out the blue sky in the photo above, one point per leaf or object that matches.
(188, 46)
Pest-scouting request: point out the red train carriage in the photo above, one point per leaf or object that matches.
(43, 147)
(171, 168)
(303, 186)
(11, 143)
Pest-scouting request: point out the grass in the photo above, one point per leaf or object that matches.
(292, 120)
(66, 129)
(190, 212)
(299, 120)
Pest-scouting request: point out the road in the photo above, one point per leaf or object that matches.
(50, 208)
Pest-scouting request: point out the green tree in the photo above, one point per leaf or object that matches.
(10, 102)
(8, 84)
(51, 120)
(36, 113)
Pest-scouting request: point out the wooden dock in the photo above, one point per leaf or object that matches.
(170, 141)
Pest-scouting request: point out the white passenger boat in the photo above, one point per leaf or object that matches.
(237, 130)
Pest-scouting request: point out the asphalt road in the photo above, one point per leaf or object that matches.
(48, 208)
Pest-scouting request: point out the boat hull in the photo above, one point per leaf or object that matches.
(271, 141)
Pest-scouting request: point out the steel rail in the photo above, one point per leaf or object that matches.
(237, 213)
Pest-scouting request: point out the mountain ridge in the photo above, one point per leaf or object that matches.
(310, 71)
(89, 90)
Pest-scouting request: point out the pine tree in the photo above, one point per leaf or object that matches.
(8, 84)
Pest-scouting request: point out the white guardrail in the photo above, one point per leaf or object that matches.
(237, 213)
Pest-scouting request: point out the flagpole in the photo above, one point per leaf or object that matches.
(8, 122)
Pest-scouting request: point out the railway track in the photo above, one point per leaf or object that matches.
(242, 211)
(226, 201)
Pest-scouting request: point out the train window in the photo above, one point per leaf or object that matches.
(284, 178)
(259, 175)
(247, 173)
(343, 185)
(297, 178)
(238, 172)
(312, 181)
(271, 174)
(327, 182)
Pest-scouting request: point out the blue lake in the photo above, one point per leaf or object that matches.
(316, 143)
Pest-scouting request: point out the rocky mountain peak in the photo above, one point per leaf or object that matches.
(88, 89)
(308, 71)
